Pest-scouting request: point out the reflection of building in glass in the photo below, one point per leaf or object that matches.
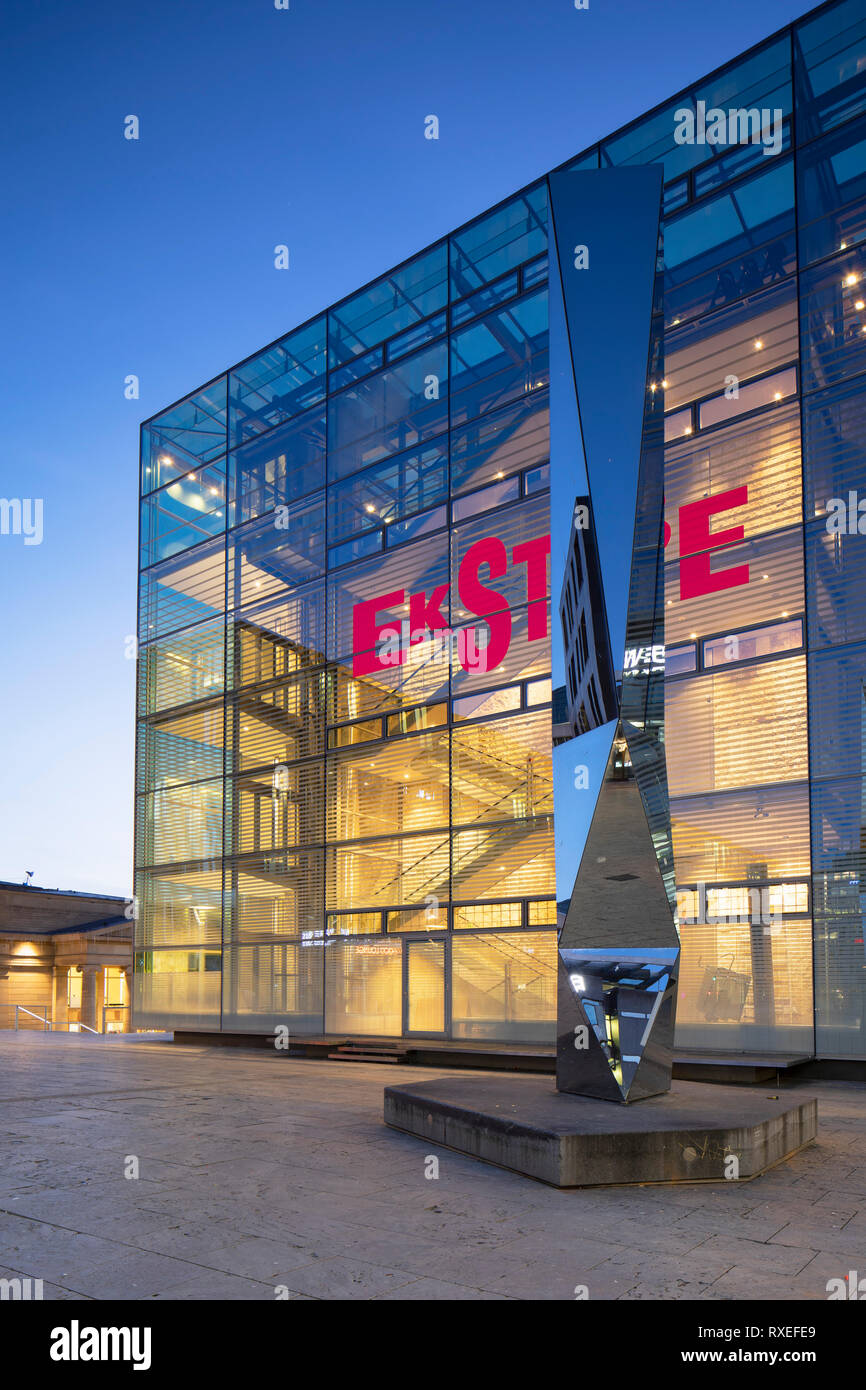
(359, 850)
(590, 683)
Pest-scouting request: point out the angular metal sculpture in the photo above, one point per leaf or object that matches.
(618, 943)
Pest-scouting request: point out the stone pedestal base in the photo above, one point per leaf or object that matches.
(693, 1133)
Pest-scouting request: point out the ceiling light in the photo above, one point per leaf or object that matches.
(758, 344)
(851, 279)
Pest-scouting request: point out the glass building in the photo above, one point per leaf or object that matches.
(344, 790)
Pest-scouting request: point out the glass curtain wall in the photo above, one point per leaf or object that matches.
(344, 781)
(344, 726)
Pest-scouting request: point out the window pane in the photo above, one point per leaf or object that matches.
(504, 986)
(498, 242)
(278, 468)
(392, 304)
(394, 410)
(280, 382)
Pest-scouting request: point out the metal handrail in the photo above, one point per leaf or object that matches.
(48, 1025)
(41, 1018)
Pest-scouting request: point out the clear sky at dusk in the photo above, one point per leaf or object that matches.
(156, 257)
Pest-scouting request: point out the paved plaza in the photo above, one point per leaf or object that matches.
(261, 1176)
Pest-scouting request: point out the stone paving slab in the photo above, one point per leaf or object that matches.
(257, 1170)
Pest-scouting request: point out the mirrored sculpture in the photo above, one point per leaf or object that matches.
(618, 942)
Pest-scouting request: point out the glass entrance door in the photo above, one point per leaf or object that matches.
(424, 994)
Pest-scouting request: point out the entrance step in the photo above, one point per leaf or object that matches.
(369, 1052)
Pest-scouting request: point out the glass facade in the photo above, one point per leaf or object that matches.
(344, 788)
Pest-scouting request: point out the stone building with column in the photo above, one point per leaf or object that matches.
(65, 960)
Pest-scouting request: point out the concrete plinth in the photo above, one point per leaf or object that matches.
(523, 1123)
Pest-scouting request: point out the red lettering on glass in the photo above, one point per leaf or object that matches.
(426, 613)
(366, 632)
(479, 598)
(696, 577)
(534, 555)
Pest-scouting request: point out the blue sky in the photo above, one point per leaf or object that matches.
(155, 257)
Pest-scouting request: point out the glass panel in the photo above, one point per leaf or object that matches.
(185, 747)
(488, 916)
(488, 703)
(388, 872)
(836, 583)
(837, 712)
(501, 443)
(833, 329)
(678, 425)
(350, 551)
(497, 293)
(514, 860)
(738, 728)
(177, 989)
(768, 391)
(742, 341)
(502, 771)
(834, 435)
(278, 894)
(486, 499)
(280, 382)
(751, 470)
(184, 667)
(502, 356)
(183, 590)
(179, 907)
(280, 467)
(831, 193)
(274, 985)
(394, 410)
(747, 987)
(276, 552)
(399, 532)
(364, 987)
(188, 511)
(769, 584)
(839, 869)
(425, 983)
(389, 490)
(404, 296)
(730, 246)
(354, 923)
(184, 437)
(430, 918)
(401, 788)
(829, 61)
(504, 986)
(414, 337)
(280, 806)
(679, 660)
(749, 646)
(180, 823)
(271, 641)
(500, 241)
(752, 834)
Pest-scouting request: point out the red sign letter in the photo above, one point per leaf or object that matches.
(696, 577)
(485, 601)
(366, 632)
(535, 554)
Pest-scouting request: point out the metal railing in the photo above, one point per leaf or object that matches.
(48, 1025)
(42, 1018)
